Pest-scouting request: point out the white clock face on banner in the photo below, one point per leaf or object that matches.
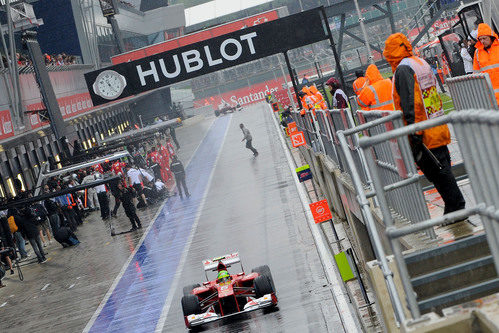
(109, 84)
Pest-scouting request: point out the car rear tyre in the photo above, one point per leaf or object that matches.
(190, 305)
(265, 271)
(217, 113)
(262, 286)
(187, 289)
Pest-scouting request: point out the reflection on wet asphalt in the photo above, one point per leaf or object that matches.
(253, 207)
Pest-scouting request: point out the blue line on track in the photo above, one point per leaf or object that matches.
(136, 303)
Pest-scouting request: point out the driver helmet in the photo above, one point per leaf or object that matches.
(223, 276)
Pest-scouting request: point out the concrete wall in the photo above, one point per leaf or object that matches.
(338, 189)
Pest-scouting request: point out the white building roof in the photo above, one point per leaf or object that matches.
(216, 8)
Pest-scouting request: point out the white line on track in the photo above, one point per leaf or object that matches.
(3, 304)
(71, 286)
(344, 307)
(45, 286)
(180, 267)
(139, 244)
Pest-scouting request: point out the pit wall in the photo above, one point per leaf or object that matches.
(339, 191)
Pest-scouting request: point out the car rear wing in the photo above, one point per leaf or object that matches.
(227, 260)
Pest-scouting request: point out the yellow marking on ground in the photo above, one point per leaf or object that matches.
(107, 243)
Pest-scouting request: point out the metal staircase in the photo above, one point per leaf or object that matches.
(452, 274)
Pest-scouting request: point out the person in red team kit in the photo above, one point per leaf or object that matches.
(166, 156)
(155, 161)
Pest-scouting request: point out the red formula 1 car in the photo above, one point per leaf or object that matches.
(229, 294)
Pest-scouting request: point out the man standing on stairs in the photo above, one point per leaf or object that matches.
(249, 139)
(415, 93)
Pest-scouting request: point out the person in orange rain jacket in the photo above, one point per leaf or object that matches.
(306, 100)
(415, 93)
(486, 59)
(359, 83)
(320, 103)
(378, 93)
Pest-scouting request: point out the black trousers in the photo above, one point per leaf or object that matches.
(174, 137)
(250, 146)
(70, 217)
(104, 204)
(131, 213)
(440, 83)
(443, 179)
(139, 190)
(180, 181)
(117, 203)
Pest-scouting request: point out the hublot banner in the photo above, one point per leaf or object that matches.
(208, 56)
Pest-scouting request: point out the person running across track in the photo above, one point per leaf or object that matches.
(248, 138)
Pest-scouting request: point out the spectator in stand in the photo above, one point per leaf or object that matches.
(48, 59)
(60, 60)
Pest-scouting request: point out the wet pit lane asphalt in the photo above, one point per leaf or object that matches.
(252, 206)
(239, 203)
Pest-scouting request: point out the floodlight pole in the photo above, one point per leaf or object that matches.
(333, 47)
(117, 33)
(57, 124)
(286, 82)
(295, 84)
(4, 75)
(364, 32)
(14, 70)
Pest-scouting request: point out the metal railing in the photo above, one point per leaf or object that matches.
(477, 132)
(473, 91)
(396, 167)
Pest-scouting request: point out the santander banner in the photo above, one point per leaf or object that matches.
(244, 96)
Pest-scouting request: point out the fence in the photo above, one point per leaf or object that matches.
(395, 165)
(473, 91)
(477, 133)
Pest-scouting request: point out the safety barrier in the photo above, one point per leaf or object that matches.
(473, 91)
(477, 132)
(327, 133)
(395, 165)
